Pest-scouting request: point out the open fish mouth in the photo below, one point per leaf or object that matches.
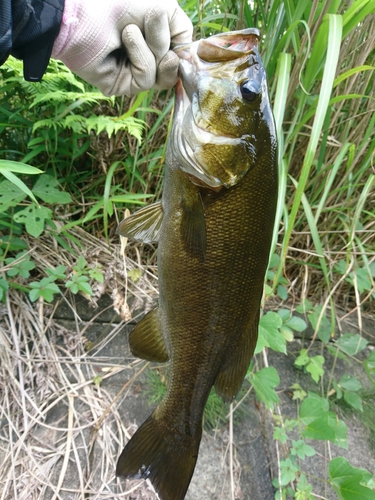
(222, 47)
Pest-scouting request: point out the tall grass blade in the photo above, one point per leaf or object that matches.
(333, 50)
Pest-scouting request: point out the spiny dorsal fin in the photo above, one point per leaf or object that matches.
(146, 339)
(144, 225)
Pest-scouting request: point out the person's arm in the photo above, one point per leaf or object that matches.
(28, 29)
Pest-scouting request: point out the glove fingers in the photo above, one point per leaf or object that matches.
(157, 33)
(180, 27)
(141, 59)
(167, 71)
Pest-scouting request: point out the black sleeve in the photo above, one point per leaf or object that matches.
(28, 29)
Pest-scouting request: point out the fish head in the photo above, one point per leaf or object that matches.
(222, 108)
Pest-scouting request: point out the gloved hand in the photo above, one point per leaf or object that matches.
(122, 46)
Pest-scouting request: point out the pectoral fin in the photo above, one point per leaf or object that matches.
(193, 226)
(144, 225)
(230, 377)
(146, 339)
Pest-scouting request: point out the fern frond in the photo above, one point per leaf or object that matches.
(111, 125)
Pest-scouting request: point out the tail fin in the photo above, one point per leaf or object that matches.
(166, 459)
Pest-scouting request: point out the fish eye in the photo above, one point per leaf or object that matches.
(249, 90)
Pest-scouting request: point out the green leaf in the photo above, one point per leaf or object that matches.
(111, 125)
(288, 471)
(21, 268)
(85, 287)
(134, 275)
(285, 314)
(324, 330)
(282, 292)
(96, 275)
(10, 195)
(33, 217)
(57, 274)
(302, 450)
(20, 184)
(4, 287)
(290, 424)
(350, 383)
(81, 264)
(297, 324)
(351, 344)
(305, 307)
(18, 167)
(269, 333)
(315, 367)
(354, 400)
(349, 482)
(320, 423)
(338, 390)
(298, 392)
(45, 188)
(303, 359)
(287, 333)
(264, 382)
(369, 365)
(73, 287)
(328, 427)
(12, 243)
(97, 380)
(43, 288)
(361, 279)
(304, 489)
(79, 283)
(337, 353)
(280, 434)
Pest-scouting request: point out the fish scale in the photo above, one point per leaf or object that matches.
(214, 228)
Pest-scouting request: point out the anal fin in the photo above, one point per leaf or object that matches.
(144, 225)
(230, 377)
(146, 339)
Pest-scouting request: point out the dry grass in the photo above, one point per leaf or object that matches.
(61, 422)
(68, 396)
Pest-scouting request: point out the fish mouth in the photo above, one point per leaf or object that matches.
(222, 47)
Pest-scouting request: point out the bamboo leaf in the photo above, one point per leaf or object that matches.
(351, 72)
(20, 184)
(18, 167)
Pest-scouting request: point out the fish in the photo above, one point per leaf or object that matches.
(214, 228)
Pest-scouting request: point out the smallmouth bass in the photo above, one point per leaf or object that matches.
(214, 227)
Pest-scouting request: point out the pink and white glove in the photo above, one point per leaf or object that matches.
(122, 46)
